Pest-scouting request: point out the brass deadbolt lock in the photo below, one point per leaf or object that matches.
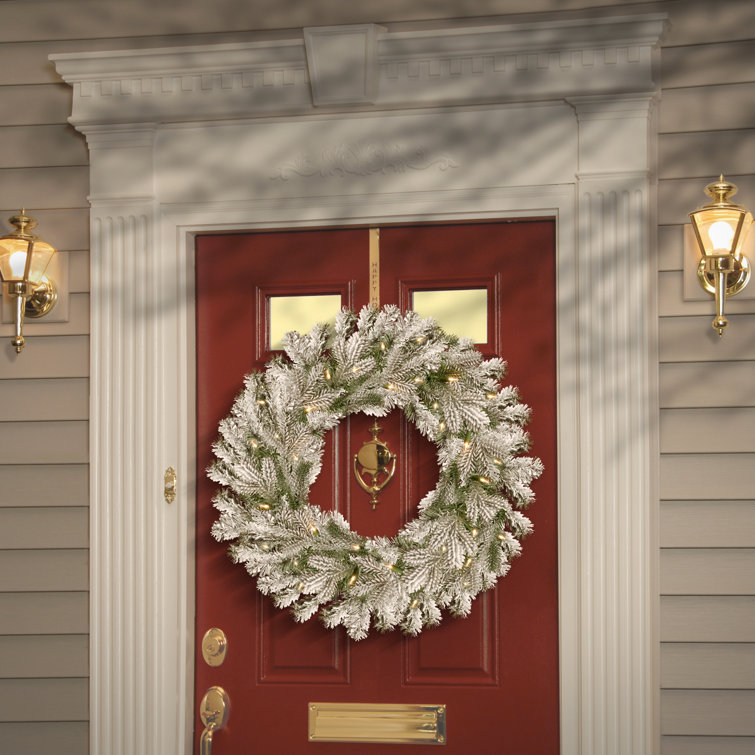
(214, 646)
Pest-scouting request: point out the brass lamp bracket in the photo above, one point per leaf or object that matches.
(42, 300)
(736, 280)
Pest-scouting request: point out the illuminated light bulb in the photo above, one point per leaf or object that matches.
(442, 426)
(254, 444)
(474, 531)
(414, 603)
(483, 480)
(502, 536)
(309, 409)
(390, 386)
(466, 445)
(327, 374)
(264, 506)
(468, 563)
(721, 234)
(265, 547)
(498, 462)
(420, 339)
(466, 584)
(390, 567)
(435, 404)
(453, 379)
(18, 264)
(277, 435)
(418, 380)
(296, 562)
(356, 547)
(296, 458)
(443, 549)
(300, 586)
(352, 579)
(382, 347)
(355, 369)
(261, 401)
(313, 529)
(491, 395)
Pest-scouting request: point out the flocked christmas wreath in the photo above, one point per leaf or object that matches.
(269, 454)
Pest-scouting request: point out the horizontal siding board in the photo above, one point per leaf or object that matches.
(670, 247)
(690, 384)
(671, 301)
(707, 571)
(713, 430)
(44, 399)
(701, 154)
(44, 699)
(707, 476)
(707, 745)
(46, 737)
(708, 712)
(707, 665)
(76, 324)
(707, 108)
(35, 105)
(64, 442)
(692, 339)
(700, 22)
(44, 613)
(44, 485)
(678, 197)
(47, 356)
(707, 524)
(698, 65)
(41, 146)
(44, 570)
(66, 186)
(44, 656)
(44, 527)
(707, 618)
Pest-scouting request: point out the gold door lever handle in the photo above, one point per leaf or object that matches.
(213, 712)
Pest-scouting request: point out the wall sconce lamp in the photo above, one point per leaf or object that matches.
(23, 260)
(721, 228)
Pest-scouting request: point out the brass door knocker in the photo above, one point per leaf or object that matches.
(375, 460)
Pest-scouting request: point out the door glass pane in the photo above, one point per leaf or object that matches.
(300, 313)
(461, 312)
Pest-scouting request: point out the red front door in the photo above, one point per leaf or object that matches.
(496, 671)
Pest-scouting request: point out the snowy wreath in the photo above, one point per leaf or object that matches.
(269, 453)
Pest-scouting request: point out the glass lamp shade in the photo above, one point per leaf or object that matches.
(721, 226)
(23, 256)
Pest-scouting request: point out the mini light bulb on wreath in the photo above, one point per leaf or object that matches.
(23, 260)
(721, 228)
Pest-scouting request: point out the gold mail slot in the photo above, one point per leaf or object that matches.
(377, 722)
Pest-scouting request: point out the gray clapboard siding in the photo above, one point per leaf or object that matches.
(677, 196)
(41, 146)
(44, 485)
(58, 186)
(47, 356)
(700, 65)
(43, 613)
(707, 571)
(43, 699)
(44, 656)
(703, 476)
(708, 712)
(670, 247)
(714, 430)
(707, 618)
(701, 154)
(692, 339)
(44, 570)
(681, 745)
(696, 22)
(707, 108)
(35, 105)
(76, 324)
(44, 399)
(671, 302)
(44, 527)
(686, 665)
(43, 737)
(64, 442)
(707, 524)
(689, 384)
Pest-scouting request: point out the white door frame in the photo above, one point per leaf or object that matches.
(365, 125)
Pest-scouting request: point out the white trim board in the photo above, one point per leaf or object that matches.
(471, 121)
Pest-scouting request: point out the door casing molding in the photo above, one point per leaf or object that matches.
(468, 121)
